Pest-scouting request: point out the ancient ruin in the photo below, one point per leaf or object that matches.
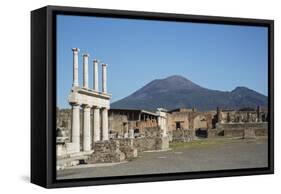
(86, 134)
(91, 132)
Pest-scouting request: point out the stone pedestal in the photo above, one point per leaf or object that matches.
(162, 143)
(249, 134)
(126, 145)
(105, 152)
(131, 133)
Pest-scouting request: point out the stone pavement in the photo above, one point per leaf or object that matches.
(234, 155)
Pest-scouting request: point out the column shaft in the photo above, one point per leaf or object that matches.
(218, 115)
(258, 114)
(97, 124)
(75, 67)
(87, 129)
(104, 78)
(104, 124)
(85, 71)
(165, 127)
(96, 75)
(75, 133)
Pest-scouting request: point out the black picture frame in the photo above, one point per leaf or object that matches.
(43, 95)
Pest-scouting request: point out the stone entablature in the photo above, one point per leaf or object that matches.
(89, 97)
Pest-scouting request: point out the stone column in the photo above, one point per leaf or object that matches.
(131, 134)
(75, 128)
(96, 75)
(85, 71)
(159, 121)
(75, 67)
(96, 124)
(87, 129)
(104, 124)
(258, 114)
(228, 118)
(104, 78)
(219, 114)
(165, 127)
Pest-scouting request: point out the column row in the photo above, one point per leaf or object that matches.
(86, 72)
(100, 132)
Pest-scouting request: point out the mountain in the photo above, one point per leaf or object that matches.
(177, 92)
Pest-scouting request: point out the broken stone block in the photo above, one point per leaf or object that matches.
(249, 134)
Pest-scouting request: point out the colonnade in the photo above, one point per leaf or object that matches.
(98, 130)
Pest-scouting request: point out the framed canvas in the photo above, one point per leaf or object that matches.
(126, 96)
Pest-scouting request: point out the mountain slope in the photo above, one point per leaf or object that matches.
(177, 91)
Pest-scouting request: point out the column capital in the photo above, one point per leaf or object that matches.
(86, 55)
(86, 106)
(74, 104)
(97, 107)
(96, 61)
(75, 49)
(104, 65)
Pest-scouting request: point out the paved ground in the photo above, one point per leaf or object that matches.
(199, 156)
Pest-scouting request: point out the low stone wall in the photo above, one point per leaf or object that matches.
(214, 133)
(118, 150)
(152, 132)
(61, 149)
(151, 143)
(184, 135)
(243, 129)
(126, 145)
(106, 151)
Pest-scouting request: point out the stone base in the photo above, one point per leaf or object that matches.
(71, 148)
(72, 160)
(162, 143)
(106, 151)
(249, 134)
(61, 149)
(126, 146)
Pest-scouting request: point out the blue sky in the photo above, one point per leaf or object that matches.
(214, 56)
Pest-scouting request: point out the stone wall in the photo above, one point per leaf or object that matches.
(118, 124)
(152, 132)
(240, 129)
(184, 135)
(151, 143)
(126, 145)
(211, 133)
(232, 116)
(191, 119)
(178, 117)
(106, 151)
(144, 125)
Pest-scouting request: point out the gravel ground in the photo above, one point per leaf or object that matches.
(234, 154)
